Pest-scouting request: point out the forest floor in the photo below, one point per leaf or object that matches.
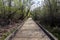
(8, 29)
(30, 31)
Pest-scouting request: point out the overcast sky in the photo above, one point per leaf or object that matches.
(37, 4)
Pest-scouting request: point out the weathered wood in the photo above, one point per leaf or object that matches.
(30, 31)
(13, 34)
(52, 37)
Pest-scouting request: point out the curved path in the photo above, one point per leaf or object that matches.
(30, 31)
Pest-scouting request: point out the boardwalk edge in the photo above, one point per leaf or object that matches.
(13, 34)
(50, 35)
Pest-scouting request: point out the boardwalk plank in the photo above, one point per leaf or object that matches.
(30, 31)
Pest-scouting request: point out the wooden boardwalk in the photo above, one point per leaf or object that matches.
(30, 31)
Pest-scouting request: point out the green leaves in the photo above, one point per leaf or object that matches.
(14, 9)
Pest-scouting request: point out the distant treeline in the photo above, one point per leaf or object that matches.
(13, 10)
(49, 13)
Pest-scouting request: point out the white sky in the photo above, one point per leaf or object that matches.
(37, 4)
